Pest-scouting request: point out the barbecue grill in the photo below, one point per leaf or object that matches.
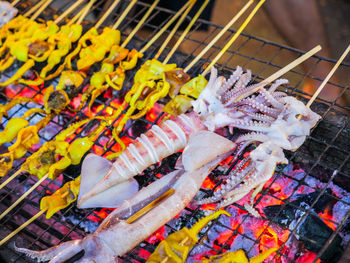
(305, 206)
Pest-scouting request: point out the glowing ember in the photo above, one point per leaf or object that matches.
(153, 114)
(328, 218)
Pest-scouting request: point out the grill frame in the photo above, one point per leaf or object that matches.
(33, 201)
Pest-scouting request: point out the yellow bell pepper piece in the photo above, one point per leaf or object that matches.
(177, 245)
(6, 162)
(19, 73)
(178, 105)
(20, 49)
(78, 148)
(26, 138)
(69, 78)
(194, 87)
(131, 60)
(176, 78)
(12, 128)
(6, 107)
(62, 198)
(116, 78)
(40, 162)
(116, 54)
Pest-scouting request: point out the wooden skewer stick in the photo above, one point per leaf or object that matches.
(10, 178)
(25, 224)
(34, 8)
(143, 19)
(219, 35)
(235, 36)
(39, 213)
(283, 70)
(86, 11)
(165, 27)
(173, 31)
(330, 74)
(42, 8)
(76, 17)
(15, 2)
(126, 11)
(23, 196)
(107, 13)
(150, 206)
(188, 28)
(68, 11)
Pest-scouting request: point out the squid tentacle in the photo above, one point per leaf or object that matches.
(232, 80)
(67, 248)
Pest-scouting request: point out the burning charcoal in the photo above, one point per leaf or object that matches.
(285, 217)
(315, 233)
(308, 199)
(282, 217)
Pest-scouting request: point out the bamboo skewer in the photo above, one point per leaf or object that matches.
(134, 31)
(165, 27)
(284, 70)
(15, 2)
(76, 17)
(41, 9)
(86, 11)
(81, 12)
(330, 74)
(172, 32)
(135, 217)
(15, 232)
(126, 11)
(219, 35)
(147, 208)
(46, 176)
(106, 14)
(140, 213)
(23, 196)
(68, 11)
(188, 28)
(235, 36)
(10, 178)
(34, 8)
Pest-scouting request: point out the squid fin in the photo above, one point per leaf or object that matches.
(203, 147)
(112, 197)
(93, 170)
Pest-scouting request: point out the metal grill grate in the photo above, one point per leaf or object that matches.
(325, 155)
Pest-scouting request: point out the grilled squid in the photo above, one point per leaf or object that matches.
(274, 121)
(277, 122)
(115, 236)
(100, 175)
